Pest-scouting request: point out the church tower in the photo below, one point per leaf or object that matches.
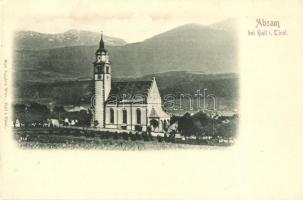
(102, 80)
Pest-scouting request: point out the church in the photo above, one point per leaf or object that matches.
(126, 105)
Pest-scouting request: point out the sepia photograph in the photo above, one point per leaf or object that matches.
(163, 99)
(177, 88)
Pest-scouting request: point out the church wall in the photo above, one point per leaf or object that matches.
(131, 116)
(107, 83)
(99, 99)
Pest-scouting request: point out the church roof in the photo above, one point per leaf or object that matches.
(153, 113)
(158, 113)
(129, 91)
(101, 45)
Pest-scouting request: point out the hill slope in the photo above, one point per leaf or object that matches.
(223, 86)
(190, 47)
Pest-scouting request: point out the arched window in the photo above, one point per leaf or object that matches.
(112, 116)
(124, 117)
(138, 112)
(107, 70)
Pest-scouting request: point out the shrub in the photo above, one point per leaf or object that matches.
(165, 137)
(132, 136)
(115, 136)
(76, 133)
(138, 128)
(145, 136)
(138, 136)
(171, 137)
(150, 136)
(125, 135)
(159, 138)
(89, 134)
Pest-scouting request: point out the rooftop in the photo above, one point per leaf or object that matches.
(129, 91)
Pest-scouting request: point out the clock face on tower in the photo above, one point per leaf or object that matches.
(103, 58)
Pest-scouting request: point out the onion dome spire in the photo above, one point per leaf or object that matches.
(101, 44)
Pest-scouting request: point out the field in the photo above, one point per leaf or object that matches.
(47, 138)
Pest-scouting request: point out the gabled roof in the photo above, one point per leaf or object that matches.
(153, 113)
(159, 113)
(129, 91)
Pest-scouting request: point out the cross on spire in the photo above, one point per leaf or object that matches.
(153, 76)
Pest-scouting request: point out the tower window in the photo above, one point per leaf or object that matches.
(98, 69)
(138, 112)
(112, 116)
(107, 70)
(124, 117)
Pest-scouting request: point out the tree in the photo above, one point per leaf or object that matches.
(221, 130)
(58, 109)
(20, 113)
(228, 130)
(198, 125)
(231, 129)
(83, 118)
(174, 119)
(90, 116)
(206, 124)
(186, 125)
(37, 113)
(202, 117)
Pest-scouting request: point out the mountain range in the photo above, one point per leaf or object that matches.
(30, 40)
(191, 47)
(57, 68)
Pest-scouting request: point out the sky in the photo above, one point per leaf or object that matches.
(131, 20)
